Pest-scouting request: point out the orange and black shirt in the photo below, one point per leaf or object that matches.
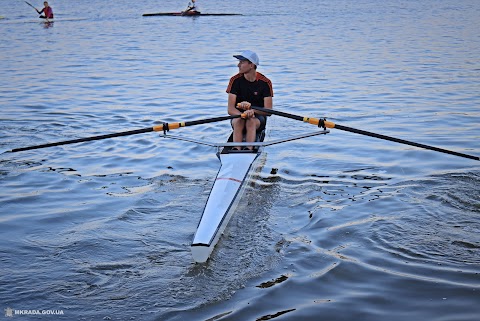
(253, 92)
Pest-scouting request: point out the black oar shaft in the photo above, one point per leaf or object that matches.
(162, 127)
(279, 113)
(403, 141)
(210, 120)
(310, 120)
(329, 124)
(30, 5)
(87, 139)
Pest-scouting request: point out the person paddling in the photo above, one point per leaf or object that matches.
(192, 9)
(46, 10)
(245, 89)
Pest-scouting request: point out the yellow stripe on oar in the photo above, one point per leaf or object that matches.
(313, 121)
(168, 126)
(316, 121)
(176, 125)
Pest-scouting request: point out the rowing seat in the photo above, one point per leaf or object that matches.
(259, 138)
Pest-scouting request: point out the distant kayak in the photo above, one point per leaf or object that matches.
(195, 14)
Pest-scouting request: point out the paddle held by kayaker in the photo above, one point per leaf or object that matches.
(248, 87)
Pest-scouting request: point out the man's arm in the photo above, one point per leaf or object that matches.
(232, 99)
(268, 104)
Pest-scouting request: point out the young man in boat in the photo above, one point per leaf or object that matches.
(247, 88)
(46, 10)
(192, 9)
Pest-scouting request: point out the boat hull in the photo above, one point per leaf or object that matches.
(234, 174)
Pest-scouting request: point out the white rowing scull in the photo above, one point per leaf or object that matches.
(233, 176)
(236, 168)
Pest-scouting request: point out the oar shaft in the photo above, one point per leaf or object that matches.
(211, 120)
(162, 127)
(310, 120)
(279, 113)
(168, 126)
(316, 121)
(87, 139)
(30, 5)
(403, 141)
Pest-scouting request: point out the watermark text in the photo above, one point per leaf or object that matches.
(9, 312)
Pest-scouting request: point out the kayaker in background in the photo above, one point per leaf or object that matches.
(245, 89)
(192, 8)
(46, 10)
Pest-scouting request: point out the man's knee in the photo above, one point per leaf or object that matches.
(253, 123)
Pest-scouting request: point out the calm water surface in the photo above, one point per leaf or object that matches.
(337, 227)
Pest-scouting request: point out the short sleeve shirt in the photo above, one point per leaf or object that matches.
(253, 92)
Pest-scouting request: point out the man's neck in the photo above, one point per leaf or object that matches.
(251, 75)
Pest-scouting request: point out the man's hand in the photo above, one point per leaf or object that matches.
(250, 113)
(244, 105)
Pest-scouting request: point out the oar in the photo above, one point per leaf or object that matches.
(31, 5)
(325, 123)
(157, 128)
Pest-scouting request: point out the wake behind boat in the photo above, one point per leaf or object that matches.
(188, 14)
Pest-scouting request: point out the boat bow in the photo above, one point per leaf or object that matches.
(222, 201)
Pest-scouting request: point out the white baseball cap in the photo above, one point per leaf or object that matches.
(248, 55)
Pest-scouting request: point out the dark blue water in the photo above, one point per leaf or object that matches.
(335, 227)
